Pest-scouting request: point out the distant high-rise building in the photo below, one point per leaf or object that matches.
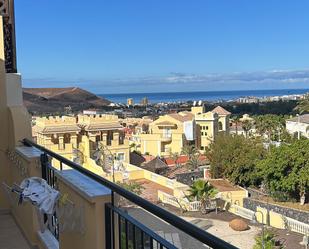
(144, 101)
(130, 102)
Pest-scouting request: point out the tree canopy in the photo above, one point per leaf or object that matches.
(303, 105)
(286, 169)
(235, 158)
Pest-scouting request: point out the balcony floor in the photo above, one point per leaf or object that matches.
(10, 235)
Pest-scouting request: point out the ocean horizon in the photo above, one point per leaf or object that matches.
(211, 96)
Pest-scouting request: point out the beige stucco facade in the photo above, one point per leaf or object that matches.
(207, 129)
(67, 135)
(166, 136)
(169, 133)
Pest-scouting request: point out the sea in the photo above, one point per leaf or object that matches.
(211, 96)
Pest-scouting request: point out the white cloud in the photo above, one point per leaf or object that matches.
(177, 81)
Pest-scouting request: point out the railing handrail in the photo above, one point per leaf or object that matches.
(165, 215)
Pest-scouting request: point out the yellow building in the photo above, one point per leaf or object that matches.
(206, 129)
(130, 102)
(168, 134)
(224, 119)
(104, 131)
(65, 135)
(59, 134)
(144, 101)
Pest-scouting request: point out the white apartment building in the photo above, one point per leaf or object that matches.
(298, 125)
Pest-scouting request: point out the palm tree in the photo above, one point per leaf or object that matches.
(247, 126)
(193, 162)
(189, 150)
(236, 121)
(78, 154)
(202, 191)
(303, 105)
(175, 157)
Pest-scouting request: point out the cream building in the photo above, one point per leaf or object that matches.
(207, 129)
(168, 134)
(223, 118)
(85, 133)
(59, 134)
(105, 131)
(298, 126)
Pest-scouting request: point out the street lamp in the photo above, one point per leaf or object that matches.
(255, 221)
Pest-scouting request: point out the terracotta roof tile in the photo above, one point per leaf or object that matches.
(182, 118)
(221, 111)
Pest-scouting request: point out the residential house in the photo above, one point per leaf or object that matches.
(298, 126)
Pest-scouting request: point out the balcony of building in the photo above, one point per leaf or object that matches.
(91, 211)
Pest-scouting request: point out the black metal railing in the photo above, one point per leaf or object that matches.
(48, 174)
(142, 237)
(131, 233)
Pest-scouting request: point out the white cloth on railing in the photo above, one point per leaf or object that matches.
(43, 196)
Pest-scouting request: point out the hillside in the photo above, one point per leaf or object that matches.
(53, 100)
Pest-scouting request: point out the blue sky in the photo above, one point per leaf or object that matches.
(124, 46)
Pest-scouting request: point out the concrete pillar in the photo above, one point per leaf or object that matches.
(145, 147)
(104, 138)
(92, 141)
(74, 141)
(61, 142)
(4, 117)
(159, 148)
(115, 141)
(92, 137)
(87, 205)
(47, 141)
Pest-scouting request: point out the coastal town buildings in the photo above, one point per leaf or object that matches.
(144, 101)
(130, 102)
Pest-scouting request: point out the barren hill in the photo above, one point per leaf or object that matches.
(52, 100)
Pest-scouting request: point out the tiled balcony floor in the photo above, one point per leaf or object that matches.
(10, 235)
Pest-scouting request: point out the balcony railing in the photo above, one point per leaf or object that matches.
(120, 226)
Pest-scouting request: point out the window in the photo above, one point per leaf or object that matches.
(202, 133)
(206, 127)
(110, 137)
(167, 132)
(67, 138)
(220, 126)
(121, 138)
(120, 156)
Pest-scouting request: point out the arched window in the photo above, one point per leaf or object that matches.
(220, 126)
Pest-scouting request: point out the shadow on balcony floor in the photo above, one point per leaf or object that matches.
(10, 235)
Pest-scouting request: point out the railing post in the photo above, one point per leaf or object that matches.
(44, 165)
(108, 227)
